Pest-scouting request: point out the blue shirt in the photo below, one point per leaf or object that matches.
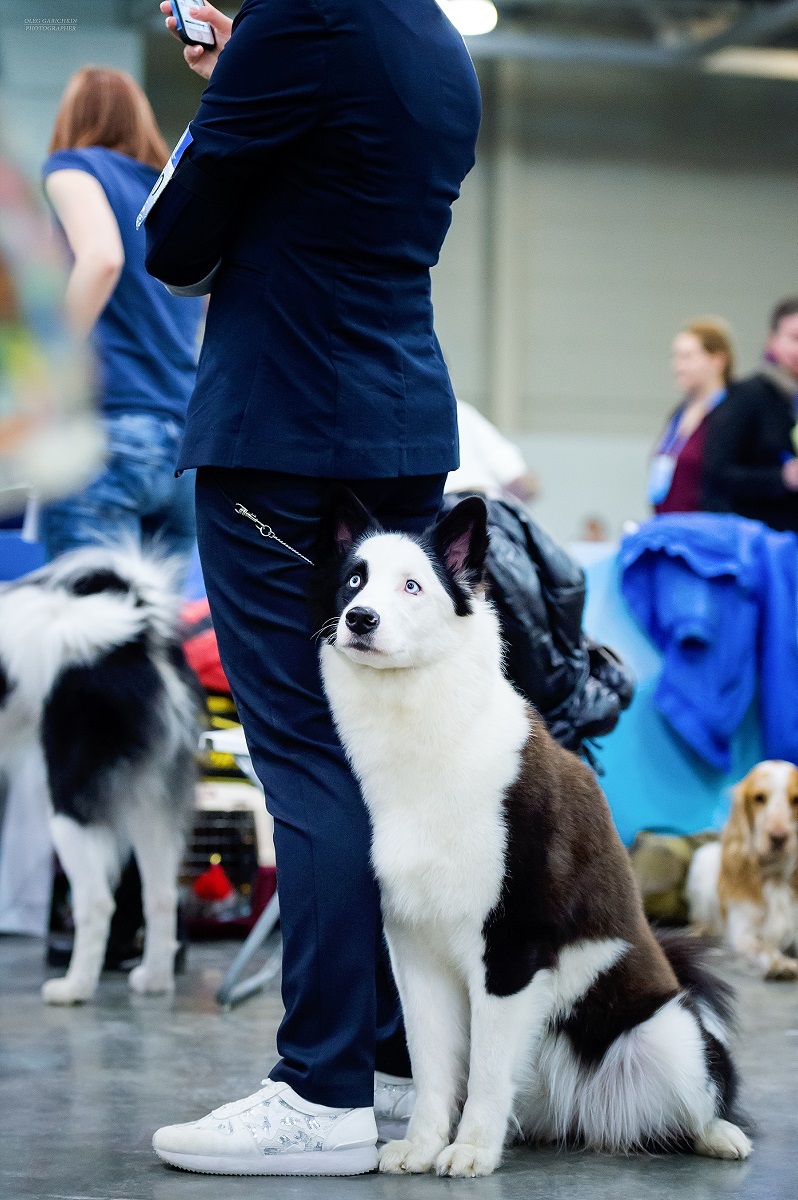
(327, 152)
(145, 340)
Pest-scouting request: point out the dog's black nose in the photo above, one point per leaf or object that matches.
(778, 840)
(362, 620)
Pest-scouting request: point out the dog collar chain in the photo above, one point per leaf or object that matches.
(266, 531)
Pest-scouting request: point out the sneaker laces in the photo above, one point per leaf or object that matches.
(234, 1106)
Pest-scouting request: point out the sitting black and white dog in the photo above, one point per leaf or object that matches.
(531, 983)
(94, 684)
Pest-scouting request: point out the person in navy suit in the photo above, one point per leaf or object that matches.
(311, 201)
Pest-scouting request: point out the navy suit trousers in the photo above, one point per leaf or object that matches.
(342, 1014)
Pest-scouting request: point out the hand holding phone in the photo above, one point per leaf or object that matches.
(188, 28)
(201, 58)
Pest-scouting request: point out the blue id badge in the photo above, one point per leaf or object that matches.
(660, 477)
(165, 175)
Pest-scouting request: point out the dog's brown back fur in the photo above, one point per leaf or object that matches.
(569, 877)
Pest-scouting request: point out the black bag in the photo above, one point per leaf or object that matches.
(577, 686)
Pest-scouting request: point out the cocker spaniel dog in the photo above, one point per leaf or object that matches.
(745, 887)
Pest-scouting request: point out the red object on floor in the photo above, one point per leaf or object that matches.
(213, 884)
(264, 885)
(201, 648)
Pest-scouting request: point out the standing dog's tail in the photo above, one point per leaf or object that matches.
(712, 1001)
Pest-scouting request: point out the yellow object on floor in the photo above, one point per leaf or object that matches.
(660, 863)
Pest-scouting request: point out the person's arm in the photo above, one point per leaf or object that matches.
(264, 93)
(94, 239)
(507, 463)
(501, 456)
(730, 432)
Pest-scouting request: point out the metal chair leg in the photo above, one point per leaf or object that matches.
(233, 989)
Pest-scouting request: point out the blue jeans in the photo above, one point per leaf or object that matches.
(135, 498)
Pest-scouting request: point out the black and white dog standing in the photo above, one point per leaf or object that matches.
(531, 983)
(94, 684)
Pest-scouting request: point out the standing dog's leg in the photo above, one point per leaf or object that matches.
(435, 1007)
(158, 846)
(503, 1029)
(90, 857)
(745, 935)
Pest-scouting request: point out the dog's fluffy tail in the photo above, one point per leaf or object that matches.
(688, 957)
(44, 632)
(712, 1002)
(147, 579)
(78, 608)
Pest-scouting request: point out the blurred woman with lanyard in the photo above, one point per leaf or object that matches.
(703, 363)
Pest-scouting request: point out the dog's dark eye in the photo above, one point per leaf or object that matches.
(794, 800)
(354, 582)
(412, 587)
(760, 798)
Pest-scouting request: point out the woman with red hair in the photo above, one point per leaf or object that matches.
(105, 155)
(703, 366)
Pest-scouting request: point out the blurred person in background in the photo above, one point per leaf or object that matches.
(105, 155)
(593, 529)
(49, 437)
(703, 365)
(751, 462)
(489, 462)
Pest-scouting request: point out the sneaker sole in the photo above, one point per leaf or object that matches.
(313, 1162)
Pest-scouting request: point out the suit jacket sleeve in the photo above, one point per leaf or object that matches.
(265, 92)
(730, 432)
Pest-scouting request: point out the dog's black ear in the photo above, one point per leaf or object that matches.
(347, 520)
(461, 538)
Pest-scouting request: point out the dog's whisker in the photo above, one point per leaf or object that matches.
(327, 627)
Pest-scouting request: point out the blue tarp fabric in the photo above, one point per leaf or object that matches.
(718, 595)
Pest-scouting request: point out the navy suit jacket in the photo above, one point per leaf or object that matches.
(328, 148)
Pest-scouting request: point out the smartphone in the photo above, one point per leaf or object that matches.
(193, 33)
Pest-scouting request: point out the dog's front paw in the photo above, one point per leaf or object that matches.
(461, 1158)
(66, 991)
(412, 1156)
(721, 1139)
(144, 980)
(782, 967)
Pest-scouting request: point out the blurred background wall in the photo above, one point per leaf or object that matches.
(630, 177)
(609, 206)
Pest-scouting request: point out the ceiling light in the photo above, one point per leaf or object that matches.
(471, 17)
(751, 60)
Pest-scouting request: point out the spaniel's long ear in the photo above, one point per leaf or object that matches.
(737, 837)
(740, 875)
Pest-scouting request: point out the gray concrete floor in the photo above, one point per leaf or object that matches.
(82, 1089)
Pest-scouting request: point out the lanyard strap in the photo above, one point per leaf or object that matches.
(671, 443)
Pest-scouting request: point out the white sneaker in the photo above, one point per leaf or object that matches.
(394, 1098)
(273, 1132)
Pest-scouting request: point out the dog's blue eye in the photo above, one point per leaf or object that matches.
(412, 587)
(354, 582)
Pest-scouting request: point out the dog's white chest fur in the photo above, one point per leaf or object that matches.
(434, 775)
(779, 923)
